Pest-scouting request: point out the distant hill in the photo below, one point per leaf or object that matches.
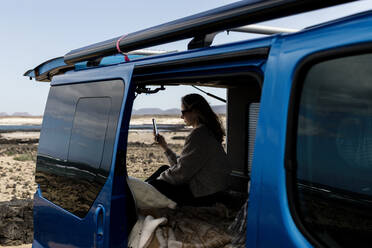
(219, 109)
(172, 111)
(21, 114)
(147, 111)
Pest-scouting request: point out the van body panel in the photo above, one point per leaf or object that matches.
(93, 74)
(267, 190)
(52, 220)
(276, 227)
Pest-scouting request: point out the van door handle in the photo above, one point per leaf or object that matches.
(100, 225)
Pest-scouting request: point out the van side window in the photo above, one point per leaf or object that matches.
(334, 152)
(88, 131)
(78, 137)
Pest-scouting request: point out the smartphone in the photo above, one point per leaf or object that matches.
(156, 132)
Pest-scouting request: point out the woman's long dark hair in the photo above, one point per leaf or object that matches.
(205, 114)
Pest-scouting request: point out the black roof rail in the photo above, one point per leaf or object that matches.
(261, 29)
(199, 25)
(205, 40)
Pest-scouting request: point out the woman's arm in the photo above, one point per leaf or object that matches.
(192, 159)
(171, 156)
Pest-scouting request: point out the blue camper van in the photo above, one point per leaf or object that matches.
(299, 126)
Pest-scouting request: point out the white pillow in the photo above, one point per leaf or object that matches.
(147, 196)
(144, 230)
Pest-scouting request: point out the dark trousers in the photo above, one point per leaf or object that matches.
(181, 194)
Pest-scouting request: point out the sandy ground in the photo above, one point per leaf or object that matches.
(144, 157)
(37, 120)
(20, 135)
(17, 168)
(135, 120)
(18, 246)
(160, 119)
(13, 120)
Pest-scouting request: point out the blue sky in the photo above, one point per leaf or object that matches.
(32, 32)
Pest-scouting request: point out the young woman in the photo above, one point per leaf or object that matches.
(202, 171)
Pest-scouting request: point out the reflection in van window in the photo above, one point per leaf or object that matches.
(334, 151)
(89, 130)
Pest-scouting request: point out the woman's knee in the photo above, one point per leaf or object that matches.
(157, 173)
(163, 168)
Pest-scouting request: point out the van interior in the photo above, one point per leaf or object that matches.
(242, 93)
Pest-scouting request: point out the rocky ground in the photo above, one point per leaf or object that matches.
(144, 157)
(17, 186)
(17, 169)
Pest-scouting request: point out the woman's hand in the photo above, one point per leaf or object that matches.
(159, 139)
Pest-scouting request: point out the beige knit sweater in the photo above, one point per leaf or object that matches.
(202, 164)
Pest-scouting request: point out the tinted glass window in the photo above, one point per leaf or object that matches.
(77, 141)
(89, 131)
(57, 123)
(334, 151)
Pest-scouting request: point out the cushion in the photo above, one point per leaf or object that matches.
(143, 233)
(147, 196)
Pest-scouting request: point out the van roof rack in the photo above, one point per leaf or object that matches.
(204, 24)
(207, 39)
(148, 52)
(261, 29)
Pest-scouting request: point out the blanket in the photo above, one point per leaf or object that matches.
(186, 227)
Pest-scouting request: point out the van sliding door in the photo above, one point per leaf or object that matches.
(75, 171)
